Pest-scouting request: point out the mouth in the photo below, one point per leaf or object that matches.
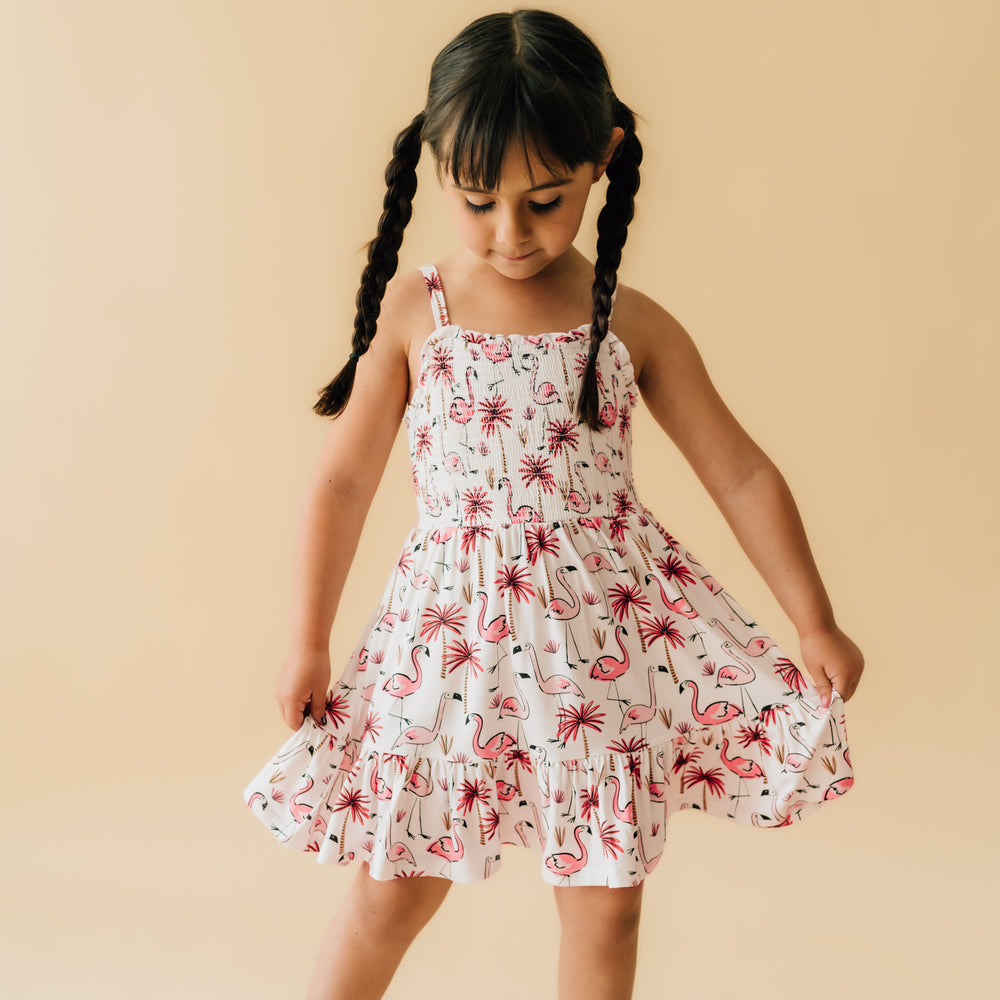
(514, 260)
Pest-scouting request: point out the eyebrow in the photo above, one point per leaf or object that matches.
(555, 182)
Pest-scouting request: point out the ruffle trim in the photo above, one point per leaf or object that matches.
(599, 819)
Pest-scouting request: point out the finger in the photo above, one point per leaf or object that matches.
(317, 708)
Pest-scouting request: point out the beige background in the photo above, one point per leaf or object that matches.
(185, 188)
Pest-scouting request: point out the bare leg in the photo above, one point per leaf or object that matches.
(600, 937)
(368, 937)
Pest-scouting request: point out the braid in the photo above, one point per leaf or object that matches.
(612, 231)
(383, 259)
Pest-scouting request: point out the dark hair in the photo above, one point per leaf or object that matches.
(531, 78)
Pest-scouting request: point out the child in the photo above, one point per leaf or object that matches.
(547, 666)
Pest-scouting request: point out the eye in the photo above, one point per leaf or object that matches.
(478, 209)
(540, 208)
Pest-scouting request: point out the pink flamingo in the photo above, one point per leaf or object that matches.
(743, 767)
(638, 715)
(793, 759)
(495, 353)
(257, 797)
(610, 668)
(424, 581)
(380, 788)
(558, 608)
(420, 735)
(625, 813)
(516, 706)
(497, 744)
(600, 459)
(523, 515)
(565, 611)
(462, 411)
(566, 863)
(593, 562)
(505, 791)
(450, 847)
(555, 684)
(496, 629)
(838, 788)
(299, 810)
(716, 713)
(421, 787)
(519, 827)
(576, 501)
(734, 673)
(453, 463)
(399, 685)
(756, 646)
(399, 852)
(544, 393)
(679, 607)
(647, 865)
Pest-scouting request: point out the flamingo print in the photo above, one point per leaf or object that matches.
(526, 514)
(396, 768)
(639, 715)
(555, 684)
(565, 863)
(420, 735)
(756, 646)
(714, 714)
(546, 392)
(494, 746)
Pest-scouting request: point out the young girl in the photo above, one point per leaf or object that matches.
(547, 666)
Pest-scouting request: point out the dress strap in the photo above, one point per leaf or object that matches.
(434, 287)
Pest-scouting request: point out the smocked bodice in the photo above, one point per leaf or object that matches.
(494, 435)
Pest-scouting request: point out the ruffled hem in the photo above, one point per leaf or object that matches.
(599, 819)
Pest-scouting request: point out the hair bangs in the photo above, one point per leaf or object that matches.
(507, 114)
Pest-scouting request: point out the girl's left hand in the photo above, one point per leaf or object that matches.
(833, 662)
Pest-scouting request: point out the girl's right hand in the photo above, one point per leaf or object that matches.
(303, 685)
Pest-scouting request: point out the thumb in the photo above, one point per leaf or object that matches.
(824, 686)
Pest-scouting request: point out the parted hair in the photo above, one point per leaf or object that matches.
(530, 79)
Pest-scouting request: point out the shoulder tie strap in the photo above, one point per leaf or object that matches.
(436, 291)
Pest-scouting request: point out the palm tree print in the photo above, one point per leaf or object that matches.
(535, 470)
(563, 437)
(629, 600)
(571, 572)
(577, 719)
(438, 618)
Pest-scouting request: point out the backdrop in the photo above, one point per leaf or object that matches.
(186, 189)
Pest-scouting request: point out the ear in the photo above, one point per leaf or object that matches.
(617, 134)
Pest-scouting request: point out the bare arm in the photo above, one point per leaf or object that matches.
(350, 466)
(750, 492)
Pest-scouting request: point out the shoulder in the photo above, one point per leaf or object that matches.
(655, 339)
(406, 310)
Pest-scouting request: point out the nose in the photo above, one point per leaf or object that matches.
(513, 230)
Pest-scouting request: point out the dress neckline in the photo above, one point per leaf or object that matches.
(435, 288)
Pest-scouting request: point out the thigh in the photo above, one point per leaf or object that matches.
(400, 897)
(598, 905)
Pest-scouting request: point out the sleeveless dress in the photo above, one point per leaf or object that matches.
(547, 665)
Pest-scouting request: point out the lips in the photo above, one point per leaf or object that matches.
(514, 260)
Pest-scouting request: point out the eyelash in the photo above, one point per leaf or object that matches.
(538, 208)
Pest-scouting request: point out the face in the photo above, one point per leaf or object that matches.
(532, 217)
